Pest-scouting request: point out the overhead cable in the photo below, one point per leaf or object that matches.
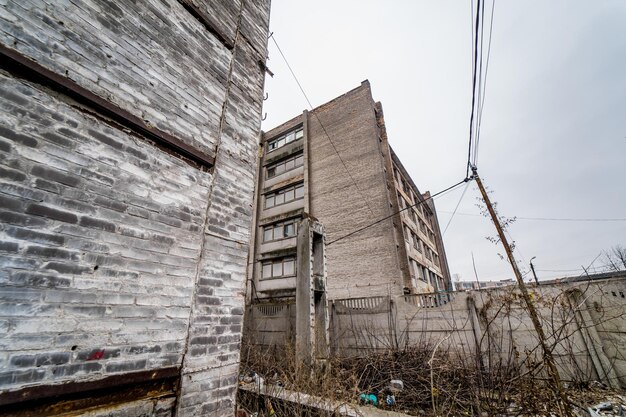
(399, 211)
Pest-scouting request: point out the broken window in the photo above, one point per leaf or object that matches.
(416, 242)
(285, 195)
(285, 165)
(279, 267)
(281, 230)
(284, 139)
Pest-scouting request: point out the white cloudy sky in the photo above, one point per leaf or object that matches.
(553, 138)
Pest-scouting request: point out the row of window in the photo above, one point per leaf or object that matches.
(411, 237)
(422, 273)
(284, 139)
(284, 196)
(279, 268)
(282, 230)
(404, 185)
(422, 225)
(285, 165)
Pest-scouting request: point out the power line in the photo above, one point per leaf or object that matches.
(455, 209)
(484, 88)
(320, 122)
(474, 71)
(546, 218)
(399, 211)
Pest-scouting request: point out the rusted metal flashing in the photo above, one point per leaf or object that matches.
(72, 396)
(31, 70)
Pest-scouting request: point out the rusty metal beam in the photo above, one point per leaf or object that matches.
(46, 394)
(28, 68)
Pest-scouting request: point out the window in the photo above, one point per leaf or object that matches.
(284, 139)
(400, 201)
(412, 216)
(405, 187)
(416, 242)
(284, 196)
(415, 269)
(282, 230)
(279, 267)
(407, 233)
(285, 165)
(422, 227)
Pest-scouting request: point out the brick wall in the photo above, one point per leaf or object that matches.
(365, 263)
(118, 256)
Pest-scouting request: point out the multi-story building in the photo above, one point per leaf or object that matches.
(334, 164)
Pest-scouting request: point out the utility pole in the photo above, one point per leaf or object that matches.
(532, 267)
(553, 373)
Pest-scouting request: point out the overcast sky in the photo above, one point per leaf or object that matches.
(553, 136)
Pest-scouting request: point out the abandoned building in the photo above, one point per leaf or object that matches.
(325, 180)
(128, 146)
(334, 164)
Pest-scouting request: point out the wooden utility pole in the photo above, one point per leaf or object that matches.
(553, 373)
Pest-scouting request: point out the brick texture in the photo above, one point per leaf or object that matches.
(116, 256)
(367, 262)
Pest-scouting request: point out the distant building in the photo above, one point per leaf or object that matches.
(477, 285)
(334, 164)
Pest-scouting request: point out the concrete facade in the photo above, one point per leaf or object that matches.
(127, 169)
(334, 164)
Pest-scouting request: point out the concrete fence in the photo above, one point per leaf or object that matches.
(585, 323)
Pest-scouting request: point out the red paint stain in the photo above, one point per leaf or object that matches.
(98, 354)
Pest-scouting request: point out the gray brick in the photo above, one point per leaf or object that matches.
(27, 377)
(126, 366)
(51, 252)
(97, 224)
(111, 204)
(34, 236)
(11, 174)
(23, 361)
(9, 203)
(11, 247)
(56, 358)
(20, 219)
(67, 268)
(57, 139)
(5, 147)
(52, 213)
(55, 175)
(105, 139)
(47, 186)
(17, 137)
(30, 279)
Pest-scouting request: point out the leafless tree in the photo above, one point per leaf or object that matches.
(615, 258)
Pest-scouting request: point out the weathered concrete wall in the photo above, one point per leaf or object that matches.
(117, 256)
(585, 323)
(271, 324)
